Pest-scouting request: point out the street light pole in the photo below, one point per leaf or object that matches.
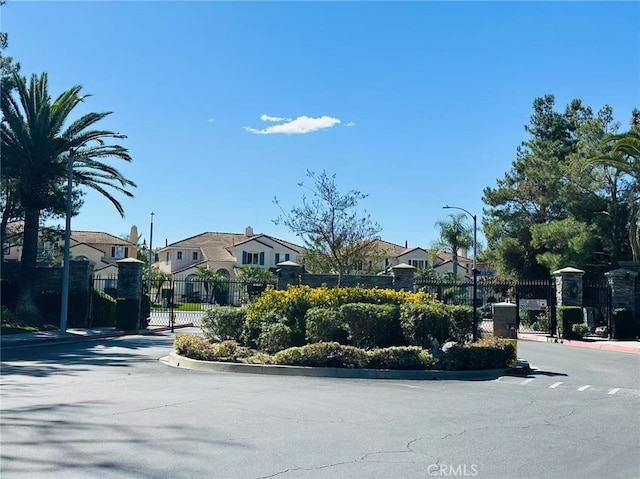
(150, 257)
(473, 270)
(64, 304)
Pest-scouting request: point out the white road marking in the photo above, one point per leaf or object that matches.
(555, 385)
(584, 388)
(527, 381)
(614, 390)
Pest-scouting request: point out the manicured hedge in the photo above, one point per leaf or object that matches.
(567, 317)
(326, 325)
(490, 353)
(104, 310)
(224, 322)
(622, 322)
(485, 354)
(330, 355)
(372, 325)
(422, 323)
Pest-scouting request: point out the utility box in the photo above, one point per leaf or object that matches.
(505, 320)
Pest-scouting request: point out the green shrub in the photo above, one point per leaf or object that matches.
(542, 322)
(461, 327)
(7, 316)
(422, 323)
(127, 314)
(104, 310)
(197, 347)
(230, 351)
(331, 355)
(145, 311)
(580, 330)
(326, 325)
(490, 353)
(275, 337)
(194, 347)
(223, 323)
(257, 358)
(401, 357)
(372, 325)
(622, 322)
(567, 317)
(528, 317)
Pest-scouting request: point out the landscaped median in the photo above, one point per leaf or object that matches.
(346, 332)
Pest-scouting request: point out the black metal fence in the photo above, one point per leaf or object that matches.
(596, 300)
(182, 300)
(535, 300)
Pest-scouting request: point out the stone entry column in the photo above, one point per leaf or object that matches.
(129, 294)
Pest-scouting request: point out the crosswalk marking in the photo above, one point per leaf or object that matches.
(555, 385)
(613, 391)
(584, 388)
(527, 381)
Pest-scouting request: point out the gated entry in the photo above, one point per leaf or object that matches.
(182, 300)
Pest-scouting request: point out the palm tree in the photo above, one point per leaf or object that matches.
(212, 281)
(624, 155)
(36, 142)
(454, 236)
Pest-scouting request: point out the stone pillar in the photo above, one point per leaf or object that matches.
(623, 294)
(288, 273)
(569, 286)
(129, 294)
(403, 277)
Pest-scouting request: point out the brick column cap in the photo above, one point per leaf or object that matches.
(621, 273)
(403, 266)
(567, 270)
(288, 264)
(129, 260)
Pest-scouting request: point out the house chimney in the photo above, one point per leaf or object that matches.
(133, 235)
(248, 232)
(406, 244)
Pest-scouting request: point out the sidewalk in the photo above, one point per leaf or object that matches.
(74, 335)
(629, 346)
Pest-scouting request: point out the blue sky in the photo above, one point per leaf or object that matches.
(417, 104)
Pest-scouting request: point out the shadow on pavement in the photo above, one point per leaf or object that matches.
(40, 360)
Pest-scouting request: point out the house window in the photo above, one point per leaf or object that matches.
(194, 256)
(252, 258)
(166, 260)
(119, 252)
(179, 255)
(417, 263)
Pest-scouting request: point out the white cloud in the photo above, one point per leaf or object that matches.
(273, 118)
(351, 123)
(211, 119)
(299, 126)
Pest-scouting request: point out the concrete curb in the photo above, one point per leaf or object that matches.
(582, 344)
(177, 361)
(76, 338)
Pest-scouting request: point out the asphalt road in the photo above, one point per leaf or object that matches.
(110, 409)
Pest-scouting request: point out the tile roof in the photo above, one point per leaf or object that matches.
(97, 237)
(215, 245)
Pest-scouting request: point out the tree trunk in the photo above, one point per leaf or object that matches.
(26, 307)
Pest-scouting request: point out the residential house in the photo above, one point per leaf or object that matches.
(225, 252)
(101, 249)
(387, 255)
